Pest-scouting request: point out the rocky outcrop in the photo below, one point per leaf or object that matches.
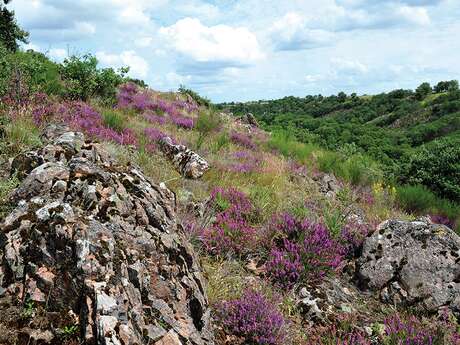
(328, 185)
(413, 263)
(93, 254)
(249, 119)
(188, 163)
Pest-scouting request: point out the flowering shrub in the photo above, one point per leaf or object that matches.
(155, 119)
(353, 235)
(154, 134)
(444, 220)
(254, 318)
(242, 140)
(247, 162)
(42, 108)
(182, 121)
(231, 232)
(82, 117)
(409, 331)
(305, 251)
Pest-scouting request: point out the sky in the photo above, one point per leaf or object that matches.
(241, 50)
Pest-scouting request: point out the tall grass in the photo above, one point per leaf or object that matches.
(356, 169)
(420, 200)
(288, 146)
(114, 120)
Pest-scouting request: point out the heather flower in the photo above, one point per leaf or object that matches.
(154, 134)
(42, 108)
(254, 318)
(441, 219)
(353, 235)
(184, 122)
(155, 119)
(242, 140)
(231, 232)
(408, 331)
(305, 251)
(247, 162)
(81, 116)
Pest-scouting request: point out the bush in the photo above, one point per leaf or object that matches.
(330, 162)
(303, 251)
(254, 318)
(114, 120)
(437, 166)
(83, 79)
(30, 71)
(195, 96)
(231, 232)
(289, 147)
(416, 199)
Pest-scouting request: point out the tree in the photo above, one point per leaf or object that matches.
(10, 32)
(422, 91)
(444, 86)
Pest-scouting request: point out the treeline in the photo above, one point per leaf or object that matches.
(399, 129)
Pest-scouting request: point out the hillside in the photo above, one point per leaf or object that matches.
(132, 216)
(390, 128)
(294, 250)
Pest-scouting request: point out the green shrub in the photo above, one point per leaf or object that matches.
(437, 166)
(330, 162)
(288, 146)
(222, 141)
(114, 120)
(208, 121)
(83, 79)
(415, 199)
(33, 70)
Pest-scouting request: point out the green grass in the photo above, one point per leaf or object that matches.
(290, 147)
(415, 199)
(114, 120)
(20, 135)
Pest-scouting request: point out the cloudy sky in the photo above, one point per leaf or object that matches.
(256, 49)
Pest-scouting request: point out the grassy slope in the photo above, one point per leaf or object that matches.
(277, 177)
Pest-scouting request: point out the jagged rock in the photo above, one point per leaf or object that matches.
(95, 244)
(413, 263)
(187, 162)
(329, 185)
(249, 119)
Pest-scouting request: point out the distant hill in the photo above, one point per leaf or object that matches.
(389, 127)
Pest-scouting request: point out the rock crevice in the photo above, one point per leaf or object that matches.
(97, 244)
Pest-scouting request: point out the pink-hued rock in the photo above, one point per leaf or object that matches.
(95, 244)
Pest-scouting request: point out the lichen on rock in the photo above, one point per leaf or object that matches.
(93, 249)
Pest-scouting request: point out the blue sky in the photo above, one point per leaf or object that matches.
(256, 49)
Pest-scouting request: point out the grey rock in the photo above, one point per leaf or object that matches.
(413, 263)
(99, 241)
(188, 163)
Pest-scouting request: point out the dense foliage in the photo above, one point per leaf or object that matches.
(400, 130)
(10, 32)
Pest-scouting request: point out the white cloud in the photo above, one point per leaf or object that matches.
(220, 43)
(58, 53)
(85, 28)
(143, 42)
(348, 66)
(291, 32)
(31, 46)
(415, 15)
(138, 66)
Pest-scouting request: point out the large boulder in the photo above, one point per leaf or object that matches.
(188, 163)
(413, 263)
(93, 254)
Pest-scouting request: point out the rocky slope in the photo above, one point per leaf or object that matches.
(93, 254)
